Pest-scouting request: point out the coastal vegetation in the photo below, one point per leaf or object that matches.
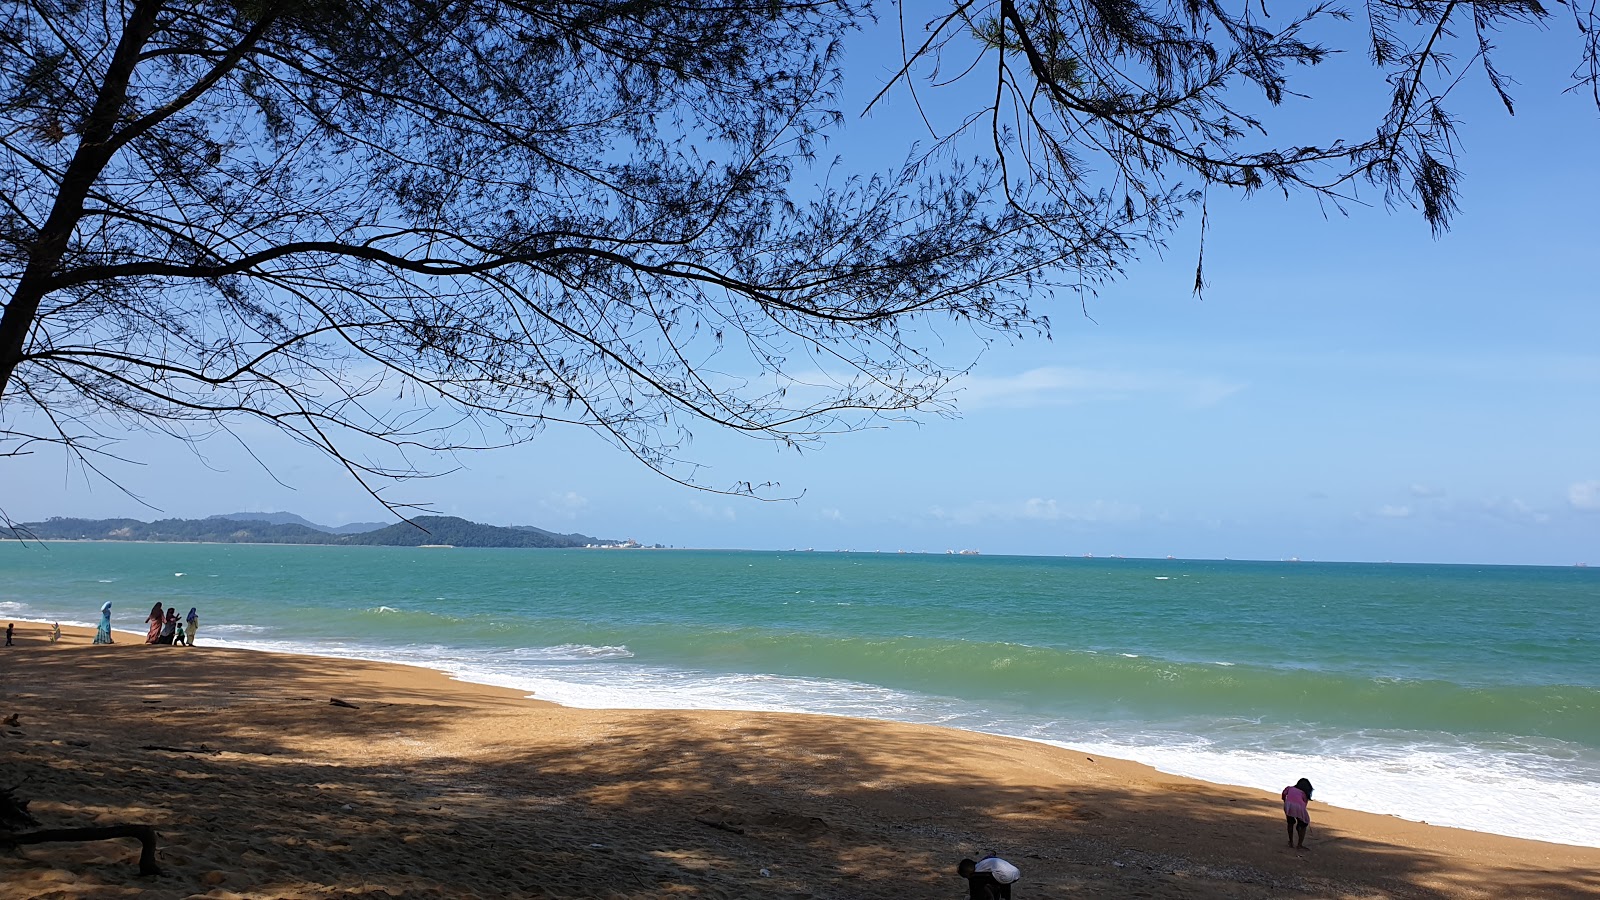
(417, 532)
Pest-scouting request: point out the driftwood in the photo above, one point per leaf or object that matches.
(337, 702)
(145, 833)
(14, 815)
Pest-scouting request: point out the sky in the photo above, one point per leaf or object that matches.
(1348, 388)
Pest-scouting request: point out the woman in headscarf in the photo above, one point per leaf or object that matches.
(169, 627)
(156, 619)
(102, 635)
(193, 621)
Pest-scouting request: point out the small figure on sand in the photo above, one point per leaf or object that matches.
(155, 620)
(55, 632)
(10, 627)
(1295, 798)
(989, 878)
(102, 635)
(178, 639)
(169, 627)
(193, 621)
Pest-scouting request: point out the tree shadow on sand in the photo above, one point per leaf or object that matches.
(260, 788)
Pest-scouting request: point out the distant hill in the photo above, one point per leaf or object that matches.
(461, 533)
(284, 518)
(438, 530)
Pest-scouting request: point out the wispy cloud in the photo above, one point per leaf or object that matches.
(1585, 496)
(1037, 509)
(707, 511)
(1513, 510)
(1061, 385)
(1394, 512)
(567, 505)
(1425, 492)
(830, 514)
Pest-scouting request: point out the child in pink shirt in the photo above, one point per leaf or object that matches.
(1295, 798)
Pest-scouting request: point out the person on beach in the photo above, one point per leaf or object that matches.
(10, 627)
(1295, 798)
(989, 878)
(193, 621)
(178, 639)
(169, 627)
(102, 635)
(55, 632)
(155, 620)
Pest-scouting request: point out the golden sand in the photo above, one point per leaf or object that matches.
(260, 788)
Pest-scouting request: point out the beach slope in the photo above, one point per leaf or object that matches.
(262, 788)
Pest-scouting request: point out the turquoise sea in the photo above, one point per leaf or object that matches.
(1459, 695)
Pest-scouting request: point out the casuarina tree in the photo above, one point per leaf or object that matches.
(391, 229)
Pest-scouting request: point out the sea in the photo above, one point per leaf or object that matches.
(1459, 695)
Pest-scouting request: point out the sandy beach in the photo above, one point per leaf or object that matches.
(261, 788)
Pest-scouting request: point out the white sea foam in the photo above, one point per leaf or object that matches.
(1460, 787)
(571, 651)
(12, 607)
(382, 609)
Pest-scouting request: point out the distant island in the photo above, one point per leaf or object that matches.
(288, 528)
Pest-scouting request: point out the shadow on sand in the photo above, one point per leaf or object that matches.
(285, 795)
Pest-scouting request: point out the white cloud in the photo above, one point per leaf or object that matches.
(706, 511)
(1061, 385)
(1513, 510)
(1585, 496)
(566, 505)
(1037, 509)
(1426, 492)
(1395, 512)
(831, 514)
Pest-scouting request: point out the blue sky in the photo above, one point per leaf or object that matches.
(1348, 388)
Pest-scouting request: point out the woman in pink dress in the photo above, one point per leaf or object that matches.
(157, 618)
(1295, 798)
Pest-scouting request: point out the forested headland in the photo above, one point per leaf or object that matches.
(417, 532)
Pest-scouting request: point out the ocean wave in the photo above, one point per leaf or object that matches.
(233, 628)
(571, 651)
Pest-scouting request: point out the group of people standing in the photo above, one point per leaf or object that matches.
(165, 626)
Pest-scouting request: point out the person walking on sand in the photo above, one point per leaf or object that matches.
(10, 627)
(55, 632)
(156, 619)
(102, 635)
(193, 621)
(1295, 798)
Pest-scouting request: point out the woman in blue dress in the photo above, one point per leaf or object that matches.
(102, 635)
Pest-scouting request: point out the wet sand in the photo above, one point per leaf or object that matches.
(260, 788)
